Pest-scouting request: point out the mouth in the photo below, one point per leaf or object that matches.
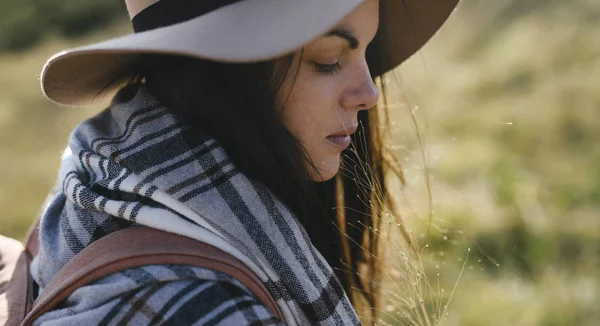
(342, 138)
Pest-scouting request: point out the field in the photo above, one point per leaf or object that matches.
(499, 114)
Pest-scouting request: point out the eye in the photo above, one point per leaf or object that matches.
(327, 69)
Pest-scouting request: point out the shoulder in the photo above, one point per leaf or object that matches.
(162, 295)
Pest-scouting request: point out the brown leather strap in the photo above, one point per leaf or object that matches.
(139, 246)
(32, 242)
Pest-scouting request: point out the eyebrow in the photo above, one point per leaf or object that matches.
(346, 34)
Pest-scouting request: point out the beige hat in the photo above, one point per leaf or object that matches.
(231, 31)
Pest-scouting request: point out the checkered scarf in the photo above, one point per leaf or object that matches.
(138, 163)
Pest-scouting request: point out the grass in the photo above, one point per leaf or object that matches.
(33, 132)
(507, 108)
(506, 101)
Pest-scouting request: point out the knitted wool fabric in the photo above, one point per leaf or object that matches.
(138, 163)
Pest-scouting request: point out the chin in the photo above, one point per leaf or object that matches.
(327, 169)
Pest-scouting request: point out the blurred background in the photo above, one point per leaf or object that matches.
(499, 115)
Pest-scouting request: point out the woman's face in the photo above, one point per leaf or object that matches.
(321, 102)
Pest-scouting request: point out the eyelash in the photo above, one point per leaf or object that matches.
(327, 69)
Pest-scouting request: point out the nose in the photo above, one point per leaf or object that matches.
(361, 92)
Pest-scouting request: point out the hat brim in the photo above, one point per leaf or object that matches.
(246, 31)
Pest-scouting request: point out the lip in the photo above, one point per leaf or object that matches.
(342, 138)
(340, 141)
(346, 131)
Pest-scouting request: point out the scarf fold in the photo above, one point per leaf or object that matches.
(138, 163)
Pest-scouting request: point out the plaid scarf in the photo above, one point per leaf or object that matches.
(138, 163)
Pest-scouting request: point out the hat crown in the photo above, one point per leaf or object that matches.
(134, 7)
(151, 14)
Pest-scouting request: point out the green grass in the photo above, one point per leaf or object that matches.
(509, 113)
(33, 132)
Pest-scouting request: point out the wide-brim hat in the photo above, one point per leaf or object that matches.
(232, 31)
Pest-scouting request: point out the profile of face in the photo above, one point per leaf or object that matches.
(331, 84)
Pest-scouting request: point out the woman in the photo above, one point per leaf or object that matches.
(232, 129)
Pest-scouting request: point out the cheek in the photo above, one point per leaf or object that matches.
(308, 112)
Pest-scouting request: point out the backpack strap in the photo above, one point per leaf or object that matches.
(139, 246)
